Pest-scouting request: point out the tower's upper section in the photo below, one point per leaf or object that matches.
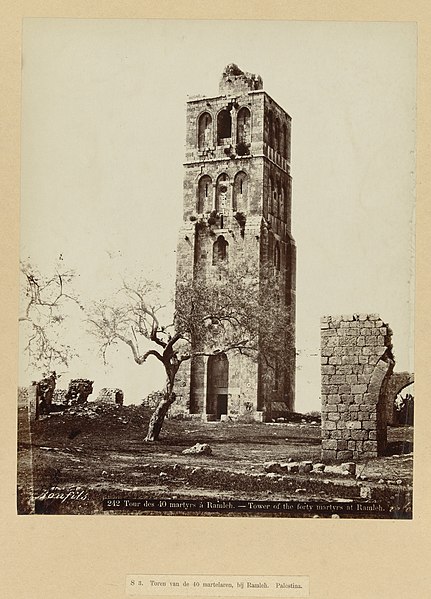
(234, 80)
(242, 121)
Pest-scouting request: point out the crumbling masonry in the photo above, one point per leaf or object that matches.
(357, 363)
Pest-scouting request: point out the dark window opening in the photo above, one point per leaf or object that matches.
(243, 126)
(205, 131)
(224, 126)
(204, 194)
(270, 130)
(239, 202)
(222, 193)
(220, 250)
(277, 135)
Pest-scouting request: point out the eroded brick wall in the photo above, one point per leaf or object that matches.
(357, 362)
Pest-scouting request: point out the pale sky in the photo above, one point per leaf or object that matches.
(103, 121)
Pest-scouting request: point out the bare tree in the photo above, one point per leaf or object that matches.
(231, 314)
(44, 302)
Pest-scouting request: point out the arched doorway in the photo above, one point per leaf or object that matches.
(217, 385)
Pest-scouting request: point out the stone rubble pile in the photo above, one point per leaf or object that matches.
(305, 467)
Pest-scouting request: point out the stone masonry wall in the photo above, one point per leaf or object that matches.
(356, 364)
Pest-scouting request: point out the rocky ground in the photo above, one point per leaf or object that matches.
(70, 462)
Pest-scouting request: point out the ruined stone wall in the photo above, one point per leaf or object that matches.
(357, 363)
(111, 395)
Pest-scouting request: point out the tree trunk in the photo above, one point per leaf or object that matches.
(158, 417)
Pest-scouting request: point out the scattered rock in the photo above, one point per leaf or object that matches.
(365, 492)
(271, 466)
(198, 449)
(335, 516)
(305, 466)
(349, 467)
(318, 467)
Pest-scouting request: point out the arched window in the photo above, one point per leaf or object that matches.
(243, 126)
(270, 130)
(205, 130)
(220, 250)
(222, 189)
(275, 197)
(239, 201)
(205, 192)
(277, 256)
(283, 204)
(271, 193)
(224, 126)
(285, 148)
(277, 135)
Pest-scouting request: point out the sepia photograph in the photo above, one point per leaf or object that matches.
(217, 268)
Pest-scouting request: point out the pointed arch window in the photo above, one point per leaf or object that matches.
(224, 126)
(222, 189)
(276, 144)
(205, 129)
(285, 148)
(278, 209)
(283, 204)
(274, 198)
(239, 200)
(270, 130)
(271, 193)
(243, 126)
(205, 187)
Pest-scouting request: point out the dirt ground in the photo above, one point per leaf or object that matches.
(98, 455)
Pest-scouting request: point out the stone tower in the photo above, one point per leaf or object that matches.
(237, 178)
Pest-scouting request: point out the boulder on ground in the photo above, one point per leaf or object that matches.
(199, 449)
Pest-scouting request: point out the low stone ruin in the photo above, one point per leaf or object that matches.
(198, 449)
(356, 365)
(44, 390)
(111, 395)
(78, 391)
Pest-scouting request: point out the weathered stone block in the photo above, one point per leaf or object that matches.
(359, 389)
(329, 454)
(370, 446)
(344, 455)
(344, 369)
(329, 425)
